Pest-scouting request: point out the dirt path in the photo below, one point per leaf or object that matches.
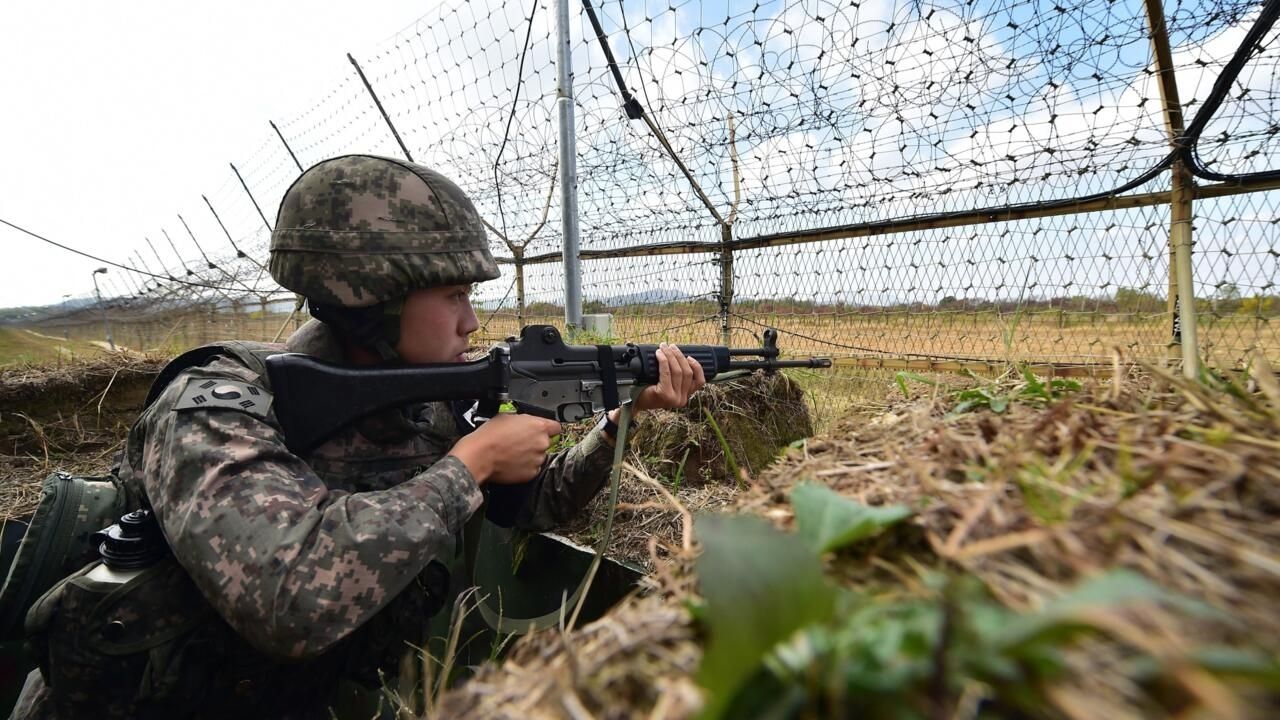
(62, 350)
(118, 348)
(46, 337)
(96, 343)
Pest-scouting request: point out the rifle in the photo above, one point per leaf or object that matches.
(537, 372)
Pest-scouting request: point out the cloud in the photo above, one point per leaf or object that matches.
(840, 114)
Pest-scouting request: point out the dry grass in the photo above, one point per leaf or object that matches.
(1020, 336)
(678, 460)
(73, 417)
(1172, 478)
(641, 656)
(1035, 335)
(1175, 479)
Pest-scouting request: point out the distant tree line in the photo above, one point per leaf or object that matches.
(1226, 300)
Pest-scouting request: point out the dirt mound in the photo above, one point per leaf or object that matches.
(1025, 489)
(696, 459)
(636, 662)
(71, 417)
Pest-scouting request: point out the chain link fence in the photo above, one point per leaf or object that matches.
(935, 184)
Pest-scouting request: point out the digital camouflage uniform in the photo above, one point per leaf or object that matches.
(315, 568)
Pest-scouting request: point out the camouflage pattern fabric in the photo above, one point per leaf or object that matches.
(35, 702)
(358, 230)
(316, 569)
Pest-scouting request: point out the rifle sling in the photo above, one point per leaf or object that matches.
(471, 544)
(609, 378)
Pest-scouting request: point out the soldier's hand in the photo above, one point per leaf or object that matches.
(508, 449)
(678, 378)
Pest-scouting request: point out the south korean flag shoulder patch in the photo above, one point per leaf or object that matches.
(203, 393)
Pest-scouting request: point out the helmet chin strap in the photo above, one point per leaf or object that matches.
(375, 328)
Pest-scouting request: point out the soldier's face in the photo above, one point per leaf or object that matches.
(435, 323)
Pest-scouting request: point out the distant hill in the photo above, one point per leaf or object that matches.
(655, 296)
(19, 314)
(645, 297)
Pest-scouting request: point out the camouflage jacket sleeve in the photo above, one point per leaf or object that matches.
(569, 480)
(292, 565)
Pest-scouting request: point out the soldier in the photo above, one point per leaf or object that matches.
(289, 573)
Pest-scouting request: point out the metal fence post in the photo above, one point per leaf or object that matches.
(378, 103)
(252, 199)
(286, 145)
(150, 276)
(177, 254)
(130, 282)
(239, 253)
(726, 281)
(568, 171)
(517, 255)
(163, 269)
(1182, 301)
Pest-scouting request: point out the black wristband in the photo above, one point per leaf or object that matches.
(610, 427)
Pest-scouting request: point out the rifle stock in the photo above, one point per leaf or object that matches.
(315, 399)
(538, 372)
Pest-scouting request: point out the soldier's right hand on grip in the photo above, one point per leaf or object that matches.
(508, 449)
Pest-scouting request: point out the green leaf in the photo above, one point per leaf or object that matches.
(828, 521)
(1066, 616)
(1248, 665)
(724, 446)
(697, 609)
(1034, 386)
(1062, 387)
(761, 586)
(1124, 587)
(902, 376)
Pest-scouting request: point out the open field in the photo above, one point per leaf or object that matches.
(938, 336)
(23, 346)
(1041, 337)
(169, 333)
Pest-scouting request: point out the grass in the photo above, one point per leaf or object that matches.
(70, 416)
(734, 472)
(19, 346)
(1100, 551)
(1021, 336)
(1025, 335)
(1023, 484)
(840, 393)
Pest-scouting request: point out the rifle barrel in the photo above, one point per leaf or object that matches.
(776, 364)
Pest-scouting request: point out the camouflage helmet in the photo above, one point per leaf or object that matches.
(359, 230)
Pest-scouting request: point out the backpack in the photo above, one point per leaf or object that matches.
(58, 539)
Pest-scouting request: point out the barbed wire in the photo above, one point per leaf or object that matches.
(859, 130)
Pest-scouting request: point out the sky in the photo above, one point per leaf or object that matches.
(114, 112)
